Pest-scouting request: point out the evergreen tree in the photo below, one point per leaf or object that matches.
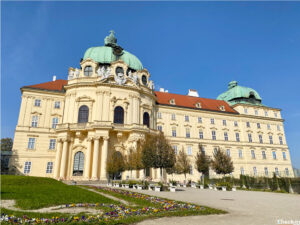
(202, 162)
(222, 163)
(6, 144)
(115, 164)
(183, 164)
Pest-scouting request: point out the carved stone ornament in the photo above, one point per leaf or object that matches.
(76, 73)
(103, 73)
(120, 78)
(71, 75)
(133, 77)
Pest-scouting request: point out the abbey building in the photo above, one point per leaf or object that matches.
(66, 128)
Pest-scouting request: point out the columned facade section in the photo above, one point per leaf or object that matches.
(104, 158)
(87, 169)
(64, 159)
(95, 159)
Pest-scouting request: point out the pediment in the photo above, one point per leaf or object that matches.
(84, 98)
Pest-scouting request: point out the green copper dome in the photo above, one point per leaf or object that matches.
(112, 52)
(239, 94)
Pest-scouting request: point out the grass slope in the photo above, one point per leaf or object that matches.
(37, 192)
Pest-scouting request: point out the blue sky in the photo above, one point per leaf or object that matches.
(199, 45)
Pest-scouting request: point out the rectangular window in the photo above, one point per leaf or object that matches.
(235, 123)
(52, 144)
(287, 172)
(191, 170)
(280, 140)
(54, 122)
(266, 113)
(258, 125)
(276, 171)
(260, 138)
(252, 154)
(56, 105)
(203, 150)
(49, 167)
(212, 121)
(240, 153)
(268, 126)
(237, 136)
(225, 136)
(175, 149)
(199, 119)
(201, 134)
(27, 167)
(283, 155)
(159, 115)
(186, 118)
(31, 143)
(189, 150)
(215, 150)
(173, 116)
(250, 137)
(213, 134)
(224, 123)
(173, 132)
(254, 171)
(274, 154)
(264, 154)
(188, 134)
(245, 110)
(242, 171)
(228, 152)
(266, 171)
(278, 127)
(34, 121)
(248, 124)
(159, 128)
(271, 139)
(275, 114)
(37, 102)
(256, 112)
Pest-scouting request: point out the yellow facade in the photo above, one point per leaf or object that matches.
(42, 148)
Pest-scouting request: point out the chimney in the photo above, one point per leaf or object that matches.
(162, 90)
(193, 93)
(54, 78)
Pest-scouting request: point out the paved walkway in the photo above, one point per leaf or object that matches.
(244, 207)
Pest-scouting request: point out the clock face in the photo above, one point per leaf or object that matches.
(144, 79)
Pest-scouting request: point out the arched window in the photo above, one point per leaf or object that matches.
(88, 71)
(83, 114)
(146, 119)
(119, 115)
(78, 164)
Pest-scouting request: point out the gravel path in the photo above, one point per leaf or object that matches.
(244, 207)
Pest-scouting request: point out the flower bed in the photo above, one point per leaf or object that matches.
(114, 212)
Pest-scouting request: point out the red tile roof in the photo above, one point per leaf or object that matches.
(163, 98)
(50, 86)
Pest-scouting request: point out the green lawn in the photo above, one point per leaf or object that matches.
(37, 192)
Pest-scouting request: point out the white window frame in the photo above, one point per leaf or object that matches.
(280, 140)
(263, 154)
(49, 168)
(27, 167)
(31, 143)
(253, 154)
(271, 139)
(266, 171)
(175, 149)
(199, 119)
(54, 122)
(34, 121)
(52, 144)
(159, 127)
(213, 135)
(37, 102)
(284, 156)
(274, 156)
(255, 171)
(189, 150)
(228, 152)
(174, 132)
(173, 116)
(186, 118)
(260, 137)
(57, 105)
(240, 153)
(159, 115)
(250, 137)
(236, 123)
(225, 136)
(201, 136)
(212, 121)
(237, 137)
(224, 123)
(187, 132)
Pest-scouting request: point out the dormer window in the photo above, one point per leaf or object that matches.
(144, 79)
(222, 108)
(88, 71)
(198, 105)
(172, 101)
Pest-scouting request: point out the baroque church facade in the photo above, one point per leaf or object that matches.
(66, 128)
